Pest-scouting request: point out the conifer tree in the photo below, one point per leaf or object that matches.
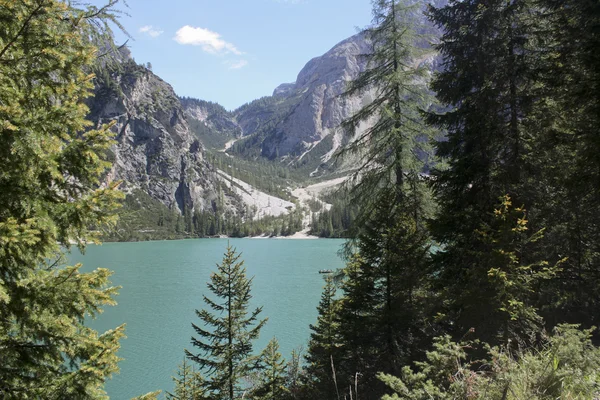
(389, 150)
(383, 311)
(486, 80)
(50, 196)
(188, 384)
(568, 114)
(227, 330)
(323, 346)
(377, 312)
(507, 277)
(272, 375)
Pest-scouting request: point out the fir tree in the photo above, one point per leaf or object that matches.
(272, 375)
(227, 330)
(188, 384)
(50, 196)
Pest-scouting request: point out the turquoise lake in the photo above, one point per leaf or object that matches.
(163, 283)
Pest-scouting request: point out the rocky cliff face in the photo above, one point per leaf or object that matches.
(155, 151)
(319, 109)
(301, 120)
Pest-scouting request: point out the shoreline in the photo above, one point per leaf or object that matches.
(291, 237)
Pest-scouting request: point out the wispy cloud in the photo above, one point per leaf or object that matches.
(210, 41)
(238, 64)
(150, 30)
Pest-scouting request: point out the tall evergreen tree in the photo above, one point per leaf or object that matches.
(379, 315)
(569, 114)
(227, 331)
(486, 50)
(383, 311)
(52, 165)
(389, 150)
(323, 346)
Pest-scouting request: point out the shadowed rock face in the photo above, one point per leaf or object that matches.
(155, 150)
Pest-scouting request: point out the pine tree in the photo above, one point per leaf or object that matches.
(50, 196)
(272, 375)
(227, 330)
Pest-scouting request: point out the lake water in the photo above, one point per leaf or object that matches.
(163, 283)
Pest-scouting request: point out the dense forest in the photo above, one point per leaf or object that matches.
(479, 279)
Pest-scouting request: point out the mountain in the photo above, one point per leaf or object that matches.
(172, 153)
(155, 151)
(299, 125)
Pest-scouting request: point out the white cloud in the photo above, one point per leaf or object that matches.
(150, 30)
(237, 64)
(210, 41)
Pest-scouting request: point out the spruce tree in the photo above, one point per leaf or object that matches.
(51, 194)
(323, 346)
(512, 317)
(486, 82)
(383, 311)
(568, 113)
(227, 330)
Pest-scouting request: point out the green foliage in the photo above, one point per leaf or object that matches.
(513, 283)
(383, 313)
(148, 396)
(389, 150)
(227, 330)
(272, 375)
(50, 195)
(516, 128)
(566, 367)
(144, 218)
(338, 220)
(444, 376)
(323, 346)
(189, 384)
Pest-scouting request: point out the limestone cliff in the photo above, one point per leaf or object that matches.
(155, 151)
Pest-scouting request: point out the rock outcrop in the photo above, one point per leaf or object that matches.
(155, 151)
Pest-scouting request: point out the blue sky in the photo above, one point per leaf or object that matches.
(235, 51)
